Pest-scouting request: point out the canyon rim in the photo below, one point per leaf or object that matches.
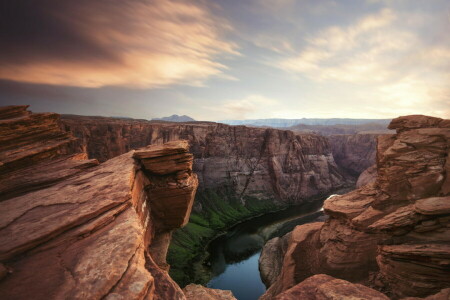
(239, 150)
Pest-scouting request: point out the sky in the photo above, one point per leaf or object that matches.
(227, 59)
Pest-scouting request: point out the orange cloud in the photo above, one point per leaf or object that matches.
(143, 44)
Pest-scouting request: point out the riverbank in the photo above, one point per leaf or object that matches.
(188, 248)
(220, 213)
(234, 256)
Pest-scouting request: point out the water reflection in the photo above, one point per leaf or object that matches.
(234, 256)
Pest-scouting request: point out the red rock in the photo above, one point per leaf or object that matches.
(415, 122)
(368, 176)
(323, 287)
(398, 226)
(26, 139)
(271, 259)
(260, 162)
(83, 230)
(198, 292)
(418, 270)
(433, 206)
(354, 153)
(13, 111)
(303, 242)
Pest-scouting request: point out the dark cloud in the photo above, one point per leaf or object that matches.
(48, 30)
(145, 43)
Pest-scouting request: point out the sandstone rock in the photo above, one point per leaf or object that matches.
(368, 176)
(402, 217)
(433, 206)
(271, 258)
(349, 205)
(199, 292)
(322, 287)
(418, 270)
(303, 242)
(13, 111)
(26, 139)
(354, 153)
(413, 166)
(260, 162)
(42, 174)
(396, 227)
(85, 234)
(417, 121)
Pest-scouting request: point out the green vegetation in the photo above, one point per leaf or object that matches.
(220, 210)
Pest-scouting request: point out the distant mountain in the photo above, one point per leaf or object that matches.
(278, 123)
(374, 128)
(175, 118)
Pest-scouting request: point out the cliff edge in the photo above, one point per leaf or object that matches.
(83, 230)
(392, 235)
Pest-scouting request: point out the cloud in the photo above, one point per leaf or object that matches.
(250, 106)
(132, 43)
(351, 53)
(386, 61)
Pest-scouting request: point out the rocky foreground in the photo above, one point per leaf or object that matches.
(392, 235)
(73, 229)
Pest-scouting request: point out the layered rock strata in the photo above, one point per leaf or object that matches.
(393, 234)
(30, 143)
(264, 163)
(99, 233)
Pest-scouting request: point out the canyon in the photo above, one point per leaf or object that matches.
(243, 171)
(93, 204)
(77, 229)
(391, 235)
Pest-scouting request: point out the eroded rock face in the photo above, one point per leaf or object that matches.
(324, 287)
(199, 292)
(368, 176)
(271, 259)
(354, 153)
(264, 163)
(89, 234)
(395, 230)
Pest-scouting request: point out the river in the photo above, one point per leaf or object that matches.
(233, 257)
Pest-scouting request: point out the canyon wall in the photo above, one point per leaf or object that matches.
(242, 171)
(83, 230)
(393, 234)
(264, 163)
(354, 153)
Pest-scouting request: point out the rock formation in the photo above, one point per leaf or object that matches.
(93, 231)
(243, 171)
(354, 153)
(393, 234)
(368, 176)
(199, 292)
(265, 163)
(324, 287)
(271, 258)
